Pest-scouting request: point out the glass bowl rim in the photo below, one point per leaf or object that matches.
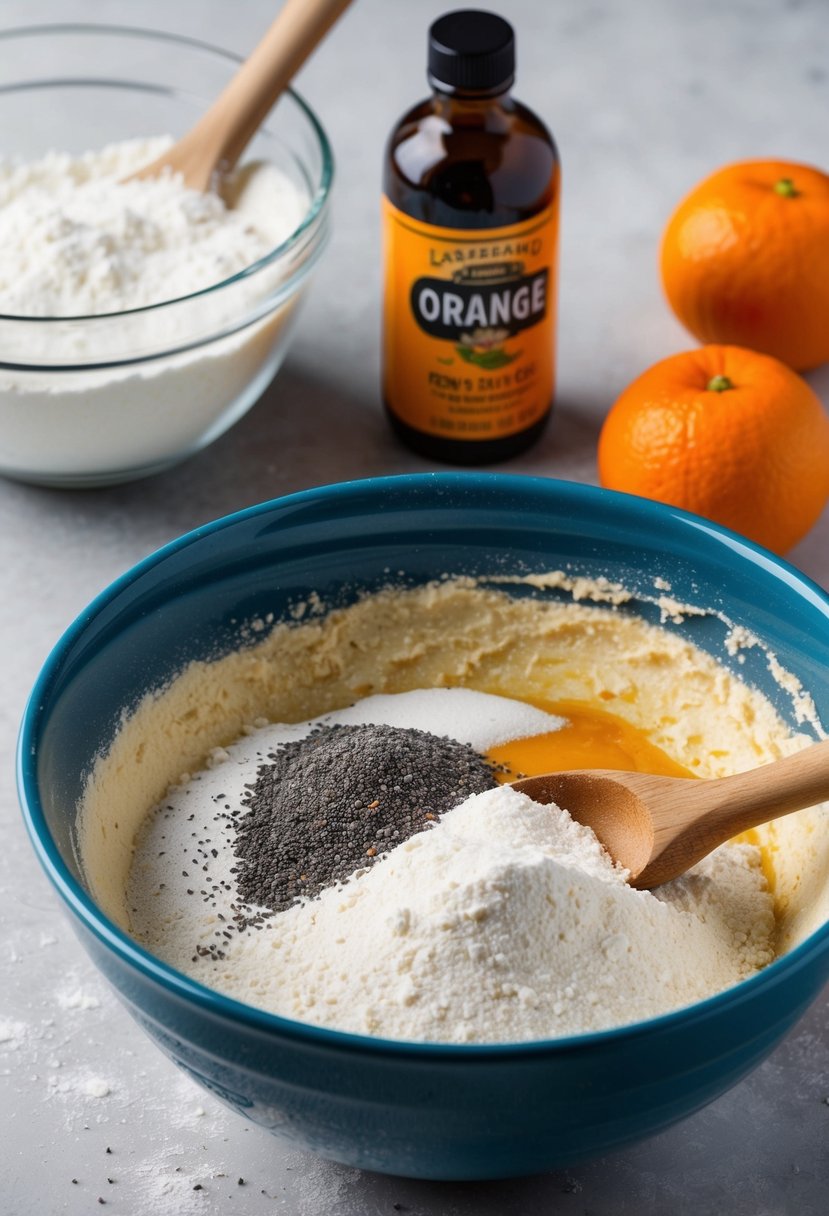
(317, 204)
(210, 1001)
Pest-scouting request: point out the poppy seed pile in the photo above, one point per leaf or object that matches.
(335, 801)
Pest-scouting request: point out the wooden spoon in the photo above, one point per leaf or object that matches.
(658, 827)
(213, 146)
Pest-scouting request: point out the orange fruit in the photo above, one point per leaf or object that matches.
(727, 433)
(745, 260)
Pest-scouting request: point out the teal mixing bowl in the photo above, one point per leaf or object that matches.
(425, 1110)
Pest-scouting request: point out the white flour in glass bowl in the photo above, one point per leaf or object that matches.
(134, 357)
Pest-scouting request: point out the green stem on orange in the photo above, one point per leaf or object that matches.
(719, 384)
(786, 188)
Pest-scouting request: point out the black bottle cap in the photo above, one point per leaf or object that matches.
(473, 51)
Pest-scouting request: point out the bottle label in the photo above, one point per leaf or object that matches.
(469, 325)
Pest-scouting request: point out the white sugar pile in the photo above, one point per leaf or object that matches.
(477, 718)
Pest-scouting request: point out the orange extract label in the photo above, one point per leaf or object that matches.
(469, 324)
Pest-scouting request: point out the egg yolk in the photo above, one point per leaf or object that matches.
(594, 738)
(590, 738)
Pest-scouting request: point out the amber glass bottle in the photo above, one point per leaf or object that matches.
(470, 223)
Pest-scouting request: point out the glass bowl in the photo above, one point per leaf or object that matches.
(93, 400)
(424, 1109)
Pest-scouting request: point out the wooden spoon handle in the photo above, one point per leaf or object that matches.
(704, 814)
(787, 785)
(241, 107)
(745, 800)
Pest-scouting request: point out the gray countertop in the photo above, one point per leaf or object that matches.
(644, 97)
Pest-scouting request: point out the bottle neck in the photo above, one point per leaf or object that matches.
(461, 107)
(471, 96)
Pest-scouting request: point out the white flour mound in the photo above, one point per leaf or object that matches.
(145, 386)
(77, 239)
(507, 921)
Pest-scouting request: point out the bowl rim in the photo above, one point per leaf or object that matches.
(313, 214)
(648, 513)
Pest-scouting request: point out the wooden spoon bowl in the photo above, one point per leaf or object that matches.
(658, 827)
